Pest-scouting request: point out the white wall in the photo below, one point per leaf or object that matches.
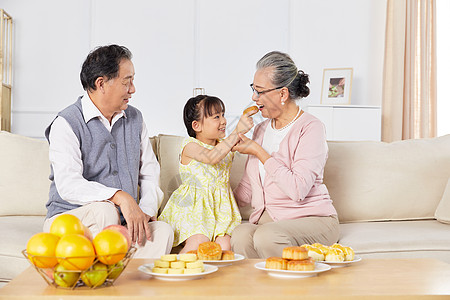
(182, 44)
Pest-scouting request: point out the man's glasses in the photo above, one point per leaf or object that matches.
(258, 94)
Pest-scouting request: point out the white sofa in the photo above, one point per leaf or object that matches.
(393, 200)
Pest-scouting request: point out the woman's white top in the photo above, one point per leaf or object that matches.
(272, 140)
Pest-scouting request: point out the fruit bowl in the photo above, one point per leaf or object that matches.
(97, 275)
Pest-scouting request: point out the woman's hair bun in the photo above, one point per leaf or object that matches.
(301, 88)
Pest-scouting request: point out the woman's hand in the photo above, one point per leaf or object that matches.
(244, 145)
(249, 146)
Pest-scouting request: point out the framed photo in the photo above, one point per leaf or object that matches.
(337, 86)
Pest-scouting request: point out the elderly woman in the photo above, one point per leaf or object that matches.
(283, 179)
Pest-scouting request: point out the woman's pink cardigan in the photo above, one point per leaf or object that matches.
(293, 186)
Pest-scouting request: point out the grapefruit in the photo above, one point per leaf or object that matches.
(110, 246)
(41, 249)
(75, 252)
(123, 230)
(66, 224)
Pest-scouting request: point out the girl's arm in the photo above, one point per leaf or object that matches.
(216, 154)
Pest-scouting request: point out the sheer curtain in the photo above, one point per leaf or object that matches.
(409, 83)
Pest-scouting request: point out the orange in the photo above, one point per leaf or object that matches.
(110, 246)
(66, 224)
(75, 252)
(41, 249)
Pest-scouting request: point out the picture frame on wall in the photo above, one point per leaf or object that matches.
(337, 86)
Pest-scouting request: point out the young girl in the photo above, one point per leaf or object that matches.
(203, 208)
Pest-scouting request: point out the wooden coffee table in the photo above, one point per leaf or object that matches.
(369, 278)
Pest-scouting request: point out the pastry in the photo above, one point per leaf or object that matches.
(177, 264)
(209, 251)
(160, 270)
(321, 247)
(194, 265)
(314, 252)
(188, 257)
(349, 254)
(193, 251)
(227, 255)
(169, 264)
(335, 255)
(252, 109)
(277, 263)
(161, 263)
(175, 271)
(295, 253)
(301, 265)
(169, 257)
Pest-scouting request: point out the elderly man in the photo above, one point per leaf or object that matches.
(100, 154)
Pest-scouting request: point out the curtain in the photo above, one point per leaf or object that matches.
(409, 79)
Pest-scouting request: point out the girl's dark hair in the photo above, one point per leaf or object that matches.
(102, 61)
(285, 73)
(200, 107)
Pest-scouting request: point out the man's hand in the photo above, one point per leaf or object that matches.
(137, 220)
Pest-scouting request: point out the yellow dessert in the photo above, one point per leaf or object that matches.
(160, 270)
(169, 257)
(188, 257)
(175, 271)
(162, 263)
(177, 264)
(314, 252)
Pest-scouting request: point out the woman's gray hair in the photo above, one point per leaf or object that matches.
(285, 73)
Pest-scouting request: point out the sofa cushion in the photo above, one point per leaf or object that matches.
(168, 151)
(399, 238)
(15, 233)
(24, 172)
(402, 180)
(442, 213)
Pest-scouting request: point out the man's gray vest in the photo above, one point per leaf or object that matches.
(111, 159)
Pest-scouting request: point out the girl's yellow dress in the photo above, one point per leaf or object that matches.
(204, 202)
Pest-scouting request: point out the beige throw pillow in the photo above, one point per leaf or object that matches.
(376, 181)
(24, 171)
(442, 213)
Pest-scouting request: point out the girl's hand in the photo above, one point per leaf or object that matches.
(245, 123)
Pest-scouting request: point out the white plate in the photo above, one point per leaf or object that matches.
(223, 263)
(293, 274)
(147, 269)
(340, 264)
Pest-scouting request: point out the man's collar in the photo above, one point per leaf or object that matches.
(91, 111)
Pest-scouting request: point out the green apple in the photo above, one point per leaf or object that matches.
(96, 275)
(115, 270)
(64, 277)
